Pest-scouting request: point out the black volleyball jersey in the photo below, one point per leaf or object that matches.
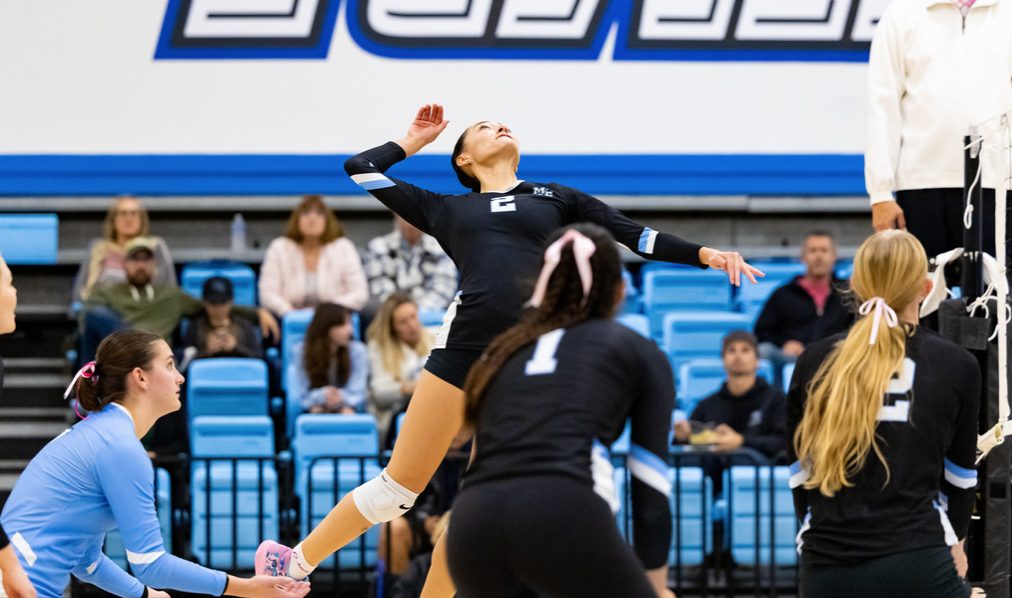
(557, 403)
(927, 431)
(497, 240)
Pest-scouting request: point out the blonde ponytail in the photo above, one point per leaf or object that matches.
(837, 431)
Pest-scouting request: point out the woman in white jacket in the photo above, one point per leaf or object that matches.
(398, 348)
(312, 263)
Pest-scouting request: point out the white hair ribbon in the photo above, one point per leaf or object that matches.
(882, 309)
(583, 248)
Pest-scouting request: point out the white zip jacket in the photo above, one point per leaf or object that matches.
(931, 77)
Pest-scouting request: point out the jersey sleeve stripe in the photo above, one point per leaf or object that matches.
(372, 180)
(649, 469)
(26, 551)
(143, 558)
(799, 475)
(647, 239)
(960, 477)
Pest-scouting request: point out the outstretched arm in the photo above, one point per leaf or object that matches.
(368, 169)
(654, 245)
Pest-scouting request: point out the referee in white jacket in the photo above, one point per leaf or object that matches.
(937, 67)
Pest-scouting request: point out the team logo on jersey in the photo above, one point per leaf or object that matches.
(247, 29)
(543, 191)
(739, 30)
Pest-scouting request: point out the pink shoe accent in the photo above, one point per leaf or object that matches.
(272, 559)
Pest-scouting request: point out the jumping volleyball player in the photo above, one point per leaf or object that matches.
(97, 476)
(494, 235)
(546, 398)
(882, 524)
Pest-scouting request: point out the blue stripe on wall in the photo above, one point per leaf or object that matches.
(765, 174)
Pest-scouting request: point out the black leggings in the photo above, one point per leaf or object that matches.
(922, 573)
(544, 536)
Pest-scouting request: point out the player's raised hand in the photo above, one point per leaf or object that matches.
(428, 124)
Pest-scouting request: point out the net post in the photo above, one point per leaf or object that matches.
(972, 262)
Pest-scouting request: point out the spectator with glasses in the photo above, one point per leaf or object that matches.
(312, 263)
(126, 220)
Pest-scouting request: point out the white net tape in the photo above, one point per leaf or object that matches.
(997, 138)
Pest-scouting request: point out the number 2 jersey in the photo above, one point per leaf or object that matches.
(497, 240)
(554, 406)
(927, 431)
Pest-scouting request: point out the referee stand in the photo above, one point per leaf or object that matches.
(988, 540)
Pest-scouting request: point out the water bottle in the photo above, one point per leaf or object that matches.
(238, 234)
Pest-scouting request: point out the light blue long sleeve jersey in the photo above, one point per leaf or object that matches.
(92, 478)
(353, 392)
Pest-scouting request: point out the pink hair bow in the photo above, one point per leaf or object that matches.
(88, 371)
(583, 248)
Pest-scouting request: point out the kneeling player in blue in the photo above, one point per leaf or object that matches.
(97, 476)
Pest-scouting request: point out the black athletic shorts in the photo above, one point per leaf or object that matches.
(452, 365)
(921, 573)
(537, 536)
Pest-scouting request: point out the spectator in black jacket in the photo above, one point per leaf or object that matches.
(805, 310)
(746, 415)
(220, 330)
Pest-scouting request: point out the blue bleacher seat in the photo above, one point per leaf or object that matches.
(751, 297)
(691, 512)
(244, 281)
(227, 386)
(699, 378)
(637, 322)
(293, 330)
(330, 436)
(695, 334)
(665, 290)
(29, 238)
(788, 372)
(740, 518)
(252, 489)
(114, 547)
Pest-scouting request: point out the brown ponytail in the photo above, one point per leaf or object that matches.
(117, 356)
(562, 307)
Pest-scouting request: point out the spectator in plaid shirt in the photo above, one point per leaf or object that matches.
(410, 261)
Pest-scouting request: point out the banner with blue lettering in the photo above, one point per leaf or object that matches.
(268, 96)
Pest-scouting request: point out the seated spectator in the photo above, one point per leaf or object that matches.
(126, 220)
(747, 413)
(141, 303)
(220, 329)
(408, 260)
(805, 310)
(312, 263)
(398, 348)
(335, 367)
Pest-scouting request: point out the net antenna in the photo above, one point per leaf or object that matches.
(995, 147)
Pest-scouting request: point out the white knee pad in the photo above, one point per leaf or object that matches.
(382, 499)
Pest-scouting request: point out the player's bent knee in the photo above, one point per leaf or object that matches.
(382, 499)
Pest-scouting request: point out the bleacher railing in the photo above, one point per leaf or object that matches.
(728, 543)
